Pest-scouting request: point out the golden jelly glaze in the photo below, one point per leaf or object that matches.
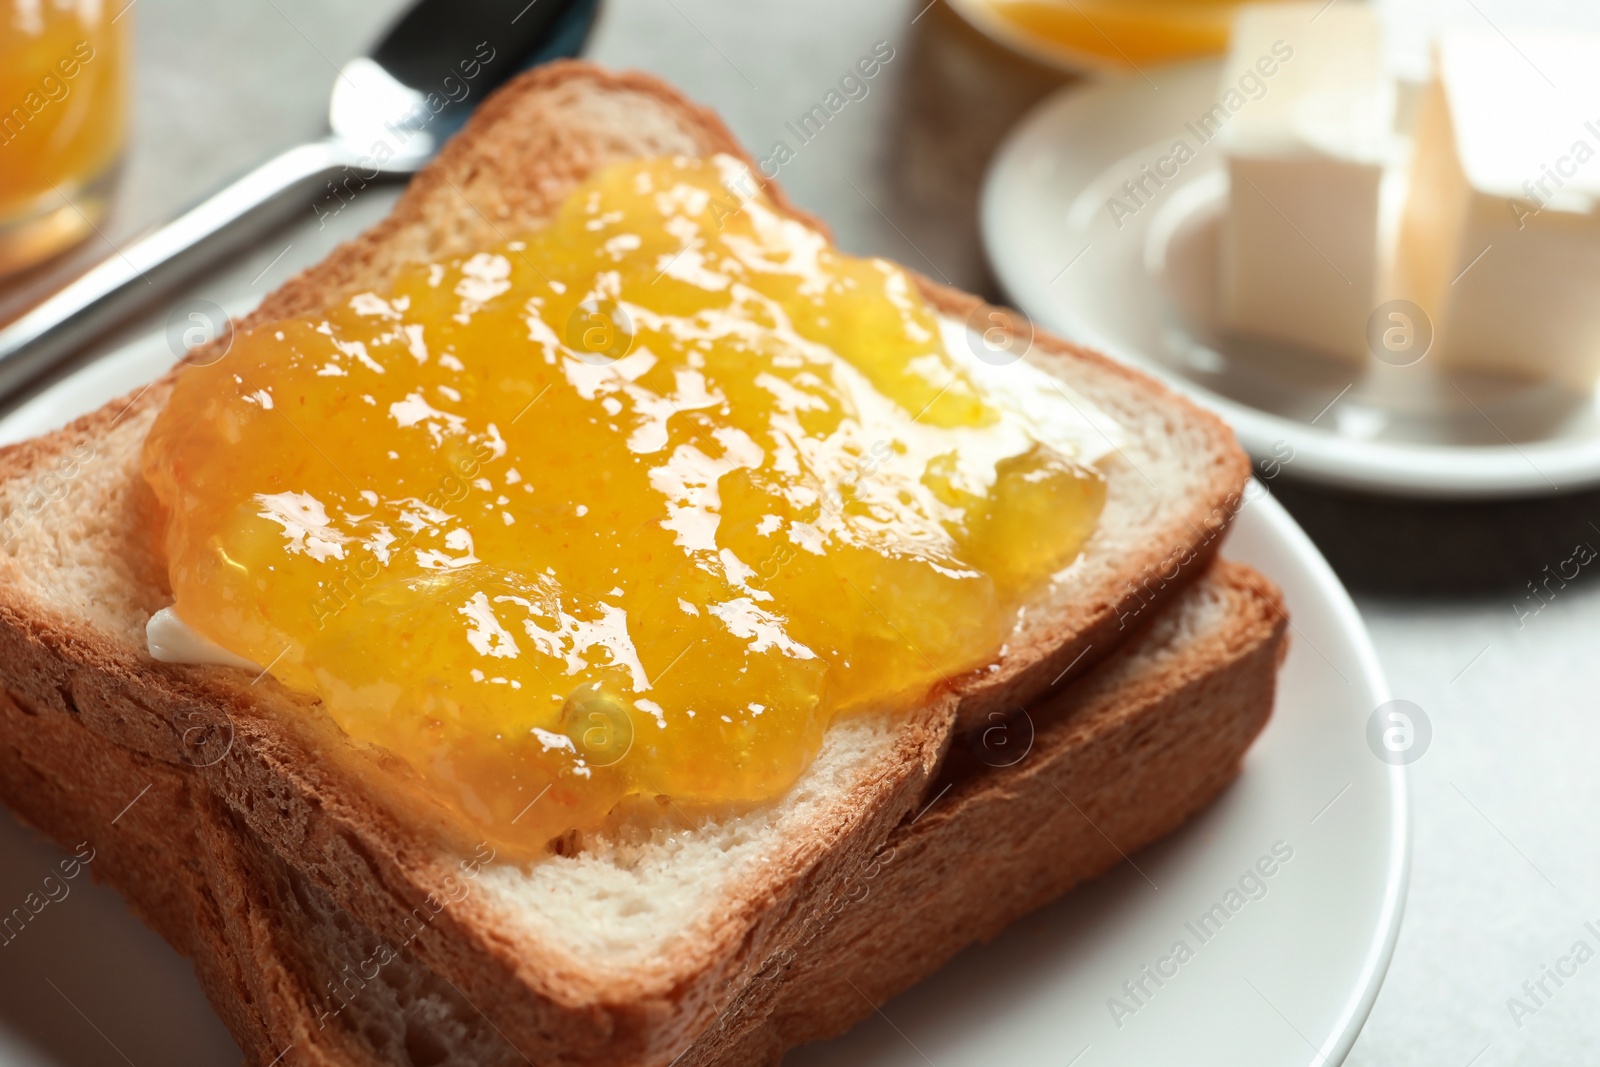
(637, 505)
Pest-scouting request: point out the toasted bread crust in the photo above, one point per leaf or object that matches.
(1083, 632)
(295, 781)
(1117, 762)
(1169, 719)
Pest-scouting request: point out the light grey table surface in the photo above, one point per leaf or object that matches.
(1506, 866)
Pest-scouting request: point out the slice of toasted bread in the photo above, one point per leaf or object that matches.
(627, 949)
(1168, 716)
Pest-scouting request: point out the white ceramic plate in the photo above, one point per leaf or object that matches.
(1141, 286)
(1289, 980)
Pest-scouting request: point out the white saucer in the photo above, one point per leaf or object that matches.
(1143, 291)
(1314, 948)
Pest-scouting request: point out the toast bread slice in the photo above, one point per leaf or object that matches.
(624, 950)
(1140, 744)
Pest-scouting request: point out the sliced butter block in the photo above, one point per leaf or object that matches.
(1306, 154)
(1500, 240)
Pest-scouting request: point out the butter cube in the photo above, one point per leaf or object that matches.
(1306, 159)
(1500, 240)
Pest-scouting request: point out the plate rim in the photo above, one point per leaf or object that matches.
(1397, 879)
(1446, 472)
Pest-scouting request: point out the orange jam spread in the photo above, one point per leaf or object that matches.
(637, 505)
